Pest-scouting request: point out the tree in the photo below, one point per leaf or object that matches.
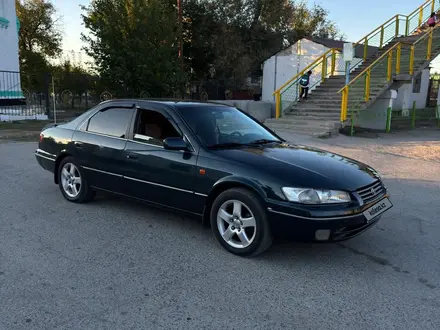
(40, 39)
(134, 44)
(235, 36)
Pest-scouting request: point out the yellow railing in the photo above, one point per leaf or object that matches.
(379, 37)
(383, 70)
(322, 61)
(383, 34)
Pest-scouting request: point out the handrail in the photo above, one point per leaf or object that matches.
(377, 29)
(425, 35)
(355, 44)
(370, 66)
(389, 54)
(421, 6)
(420, 9)
(301, 73)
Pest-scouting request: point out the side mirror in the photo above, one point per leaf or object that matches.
(175, 143)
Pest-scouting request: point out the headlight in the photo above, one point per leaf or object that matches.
(314, 196)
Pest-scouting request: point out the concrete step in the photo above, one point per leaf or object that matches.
(317, 131)
(305, 121)
(317, 111)
(303, 125)
(315, 116)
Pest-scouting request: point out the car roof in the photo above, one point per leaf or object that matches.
(168, 104)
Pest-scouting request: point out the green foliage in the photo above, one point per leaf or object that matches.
(73, 78)
(39, 40)
(134, 44)
(235, 36)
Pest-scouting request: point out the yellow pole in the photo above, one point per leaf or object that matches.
(411, 61)
(365, 48)
(390, 66)
(344, 103)
(399, 52)
(324, 68)
(367, 85)
(397, 25)
(333, 61)
(429, 50)
(421, 16)
(278, 104)
(432, 6)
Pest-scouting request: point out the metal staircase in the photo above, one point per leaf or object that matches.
(399, 57)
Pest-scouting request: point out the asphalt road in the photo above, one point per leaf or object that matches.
(118, 264)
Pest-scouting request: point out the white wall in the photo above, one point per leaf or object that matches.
(289, 62)
(9, 50)
(406, 97)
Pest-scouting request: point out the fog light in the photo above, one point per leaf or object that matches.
(322, 235)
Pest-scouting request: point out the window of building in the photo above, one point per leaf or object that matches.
(152, 127)
(417, 83)
(112, 122)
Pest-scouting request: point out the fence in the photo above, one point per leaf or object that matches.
(25, 96)
(70, 94)
(427, 117)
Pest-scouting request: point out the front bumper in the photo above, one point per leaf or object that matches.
(302, 224)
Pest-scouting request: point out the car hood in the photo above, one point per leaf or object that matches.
(305, 166)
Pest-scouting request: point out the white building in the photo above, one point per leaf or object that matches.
(284, 65)
(415, 91)
(10, 86)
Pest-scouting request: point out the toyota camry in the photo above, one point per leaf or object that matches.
(217, 163)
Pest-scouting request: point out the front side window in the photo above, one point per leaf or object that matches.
(217, 125)
(112, 122)
(152, 127)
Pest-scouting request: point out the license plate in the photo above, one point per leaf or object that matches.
(377, 209)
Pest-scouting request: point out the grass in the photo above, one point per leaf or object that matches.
(23, 130)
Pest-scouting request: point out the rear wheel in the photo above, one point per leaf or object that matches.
(72, 182)
(240, 223)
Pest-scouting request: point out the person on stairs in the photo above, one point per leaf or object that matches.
(304, 83)
(432, 20)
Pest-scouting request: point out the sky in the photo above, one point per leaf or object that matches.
(355, 21)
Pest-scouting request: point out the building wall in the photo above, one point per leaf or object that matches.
(9, 60)
(283, 66)
(406, 97)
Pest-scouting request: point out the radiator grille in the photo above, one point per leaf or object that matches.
(371, 192)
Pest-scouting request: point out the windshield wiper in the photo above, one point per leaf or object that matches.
(264, 141)
(226, 145)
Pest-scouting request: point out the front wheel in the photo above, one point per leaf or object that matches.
(72, 182)
(240, 223)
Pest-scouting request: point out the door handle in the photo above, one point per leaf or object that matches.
(78, 144)
(132, 156)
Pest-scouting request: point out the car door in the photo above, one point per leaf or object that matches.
(99, 146)
(155, 174)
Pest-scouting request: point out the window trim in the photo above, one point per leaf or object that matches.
(85, 125)
(134, 122)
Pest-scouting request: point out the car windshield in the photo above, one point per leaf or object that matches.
(221, 126)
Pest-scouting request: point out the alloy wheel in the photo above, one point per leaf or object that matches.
(236, 224)
(71, 180)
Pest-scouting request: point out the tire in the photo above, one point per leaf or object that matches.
(74, 190)
(240, 235)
